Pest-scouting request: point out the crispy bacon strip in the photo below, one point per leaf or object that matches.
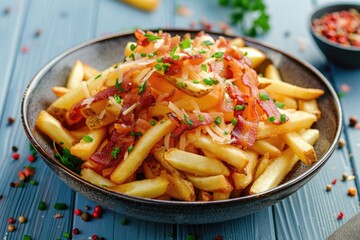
(195, 122)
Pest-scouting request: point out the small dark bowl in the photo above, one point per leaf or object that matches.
(347, 57)
(105, 51)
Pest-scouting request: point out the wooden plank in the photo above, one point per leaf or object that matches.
(62, 24)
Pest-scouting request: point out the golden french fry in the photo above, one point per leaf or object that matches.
(204, 196)
(59, 91)
(88, 144)
(310, 106)
(80, 132)
(89, 71)
(242, 180)
(276, 141)
(220, 196)
(300, 147)
(262, 165)
(129, 165)
(227, 153)
(52, 128)
(76, 76)
(263, 147)
(297, 120)
(272, 73)
(287, 89)
(196, 164)
(95, 178)
(158, 110)
(289, 102)
(255, 55)
(237, 42)
(147, 188)
(279, 167)
(212, 183)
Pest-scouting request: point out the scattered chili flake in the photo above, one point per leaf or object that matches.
(352, 191)
(344, 176)
(22, 219)
(340, 215)
(15, 156)
(75, 231)
(11, 227)
(37, 33)
(42, 206)
(124, 221)
(85, 216)
(60, 206)
(11, 220)
(25, 49)
(31, 158)
(58, 215)
(333, 182)
(11, 120)
(27, 237)
(14, 148)
(21, 176)
(77, 212)
(353, 121)
(328, 187)
(341, 143)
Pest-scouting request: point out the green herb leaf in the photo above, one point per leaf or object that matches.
(272, 119)
(115, 152)
(208, 43)
(117, 85)
(234, 121)
(185, 44)
(132, 47)
(217, 120)
(151, 37)
(264, 96)
(130, 148)
(282, 118)
(203, 67)
(117, 98)
(152, 122)
(70, 161)
(280, 104)
(158, 67)
(142, 88)
(210, 81)
(98, 76)
(188, 121)
(202, 51)
(87, 138)
(201, 118)
(218, 55)
(239, 108)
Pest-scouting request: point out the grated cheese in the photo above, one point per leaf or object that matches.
(88, 101)
(167, 141)
(85, 89)
(141, 75)
(130, 109)
(102, 114)
(176, 110)
(182, 142)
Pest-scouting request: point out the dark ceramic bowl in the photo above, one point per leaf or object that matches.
(347, 57)
(105, 51)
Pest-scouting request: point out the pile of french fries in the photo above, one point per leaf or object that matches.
(195, 167)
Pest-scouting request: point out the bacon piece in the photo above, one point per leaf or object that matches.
(177, 65)
(194, 118)
(141, 39)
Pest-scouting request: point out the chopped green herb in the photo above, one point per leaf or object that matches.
(130, 148)
(151, 37)
(173, 50)
(201, 118)
(341, 94)
(246, 53)
(202, 51)
(67, 159)
(264, 96)
(136, 134)
(234, 121)
(217, 120)
(66, 235)
(117, 84)
(165, 67)
(210, 81)
(218, 55)
(175, 57)
(160, 60)
(188, 121)
(41, 206)
(239, 107)
(180, 85)
(204, 67)
(98, 76)
(60, 206)
(143, 54)
(124, 221)
(117, 98)
(185, 44)
(158, 67)
(116, 66)
(132, 47)
(282, 118)
(142, 88)
(27, 237)
(208, 43)
(190, 236)
(226, 133)
(280, 104)
(196, 81)
(87, 138)
(115, 152)
(151, 55)
(272, 119)
(33, 182)
(152, 122)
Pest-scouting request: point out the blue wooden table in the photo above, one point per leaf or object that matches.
(32, 32)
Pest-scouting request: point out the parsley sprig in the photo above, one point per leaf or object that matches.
(251, 14)
(70, 161)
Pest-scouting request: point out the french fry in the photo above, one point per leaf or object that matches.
(89, 72)
(300, 147)
(196, 164)
(237, 42)
(212, 183)
(227, 153)
(147, 188)
(279, 167)
(53, 128)
(262, 165)
(76, 76)
(297, 120)
(141, 150)
(310, 106)
(204, 196)
(59, 91)
(220, 196)
(242, 180)
(271, 72)
(263, 147)
(88, 145)
(291, 90)
(95, 178)
(289, 102)
(256, 56)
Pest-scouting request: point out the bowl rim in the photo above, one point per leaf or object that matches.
(243, 199)
(322, 7)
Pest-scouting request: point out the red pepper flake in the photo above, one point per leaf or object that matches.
(333, 182)
(21, 176)
(58, 215)
(192, 24)
(94, 237)
(31, 158)
(340, 215)
(353, 121)
(11, 220)
(218, 237)
(77, 212)
(206, 25)
(75, 231)
(15, 156)
(25, 49)
(98, 209)
(96, 215)
(11, 120)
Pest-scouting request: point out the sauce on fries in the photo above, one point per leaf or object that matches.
(183, 118)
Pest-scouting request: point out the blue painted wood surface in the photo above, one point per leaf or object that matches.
(310, 213)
